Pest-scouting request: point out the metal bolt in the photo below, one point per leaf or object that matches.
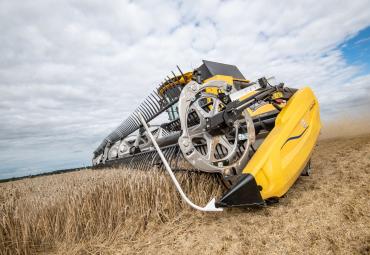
(185, 143)
(194, 87)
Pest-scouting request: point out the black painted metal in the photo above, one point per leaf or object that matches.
(245, 192)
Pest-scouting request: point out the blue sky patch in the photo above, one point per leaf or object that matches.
(356, 50)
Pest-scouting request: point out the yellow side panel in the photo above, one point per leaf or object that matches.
(284, 153)
(263, 109)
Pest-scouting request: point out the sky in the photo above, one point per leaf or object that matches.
(71, 71)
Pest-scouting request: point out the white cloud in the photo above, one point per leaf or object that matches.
(72, 71)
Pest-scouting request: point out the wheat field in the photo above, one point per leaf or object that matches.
(120, 211)
(91, 206)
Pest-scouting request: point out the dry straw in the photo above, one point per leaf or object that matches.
(78, 209)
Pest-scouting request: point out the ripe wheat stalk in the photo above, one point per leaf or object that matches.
(99, 207)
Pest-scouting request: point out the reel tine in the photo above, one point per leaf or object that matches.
(183, 76)
(177, 155)
(172, 152)
(142, 160)
(123, 163)
(137, 161)
(132, 123)
(155, 103)
(159, 97)
(153, 158)
(143, 112)
(145, 161)
(150, 108)
(134, 162)
(174, 76)
(135, 118)
(169, 155)
(156, 96)
(128, 162)
(172, 157)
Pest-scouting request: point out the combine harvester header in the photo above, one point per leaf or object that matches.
(257, 136)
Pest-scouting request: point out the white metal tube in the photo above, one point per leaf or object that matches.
(210, 207)
(240, 93)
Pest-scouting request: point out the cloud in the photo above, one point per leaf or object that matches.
(72, 71)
